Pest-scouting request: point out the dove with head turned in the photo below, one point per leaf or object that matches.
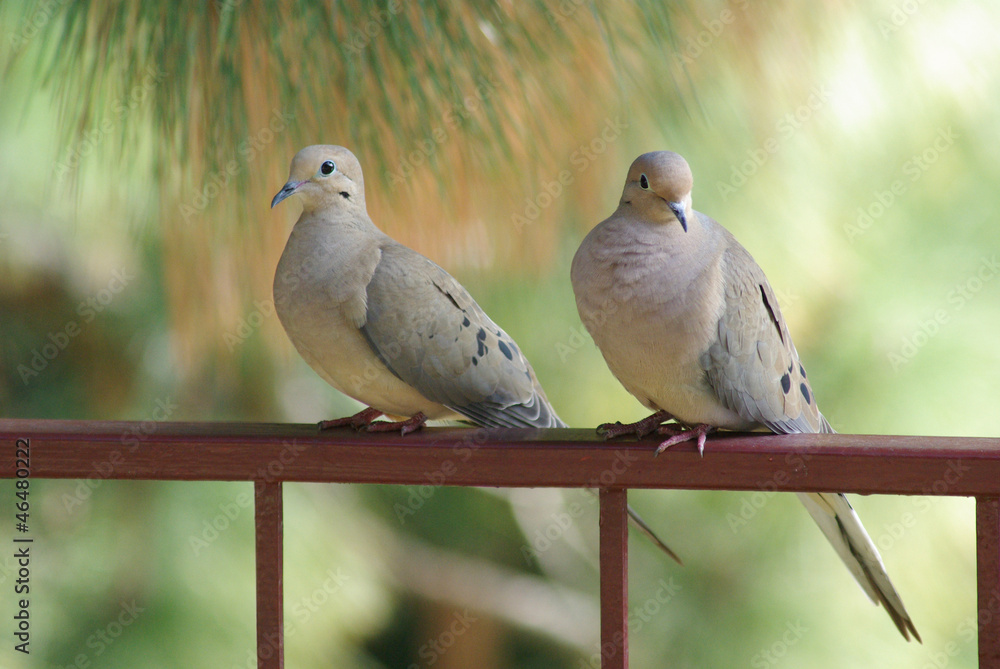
(688, 323)
(385, 325)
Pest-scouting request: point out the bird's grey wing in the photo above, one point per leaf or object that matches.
(431, 334)
(752, 364)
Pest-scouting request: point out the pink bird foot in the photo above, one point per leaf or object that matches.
(686, 434)
(411, 424)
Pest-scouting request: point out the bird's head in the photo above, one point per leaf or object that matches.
(659, 187)
(324, 176)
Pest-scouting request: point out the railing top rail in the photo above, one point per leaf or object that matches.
(503, 457)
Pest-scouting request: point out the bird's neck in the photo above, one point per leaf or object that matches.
(333, 222)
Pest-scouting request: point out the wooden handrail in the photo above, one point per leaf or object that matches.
(564, 458)
(269, 454)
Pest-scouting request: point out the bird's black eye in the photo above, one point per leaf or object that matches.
(327, 168)
(643, 182)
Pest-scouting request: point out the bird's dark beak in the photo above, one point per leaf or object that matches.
(678, 210)
(286, 190)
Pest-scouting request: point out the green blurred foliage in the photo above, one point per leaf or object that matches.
(849, 146)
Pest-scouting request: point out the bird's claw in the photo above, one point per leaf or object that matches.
(359, 420)
(411, 424)
(639, 428)
(677, 436)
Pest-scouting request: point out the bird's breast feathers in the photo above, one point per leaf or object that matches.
(652, 321)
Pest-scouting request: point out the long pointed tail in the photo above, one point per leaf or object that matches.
(842, 527)
(641, 525)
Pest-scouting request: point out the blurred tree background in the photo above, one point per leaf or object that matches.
(851, 147)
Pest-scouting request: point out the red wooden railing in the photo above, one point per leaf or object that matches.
(271, 454)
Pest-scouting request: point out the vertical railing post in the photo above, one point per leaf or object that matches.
(988, 579)
(614, 578)
(270, 557)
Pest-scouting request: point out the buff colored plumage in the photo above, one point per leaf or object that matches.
(689, 324)
(385, 325)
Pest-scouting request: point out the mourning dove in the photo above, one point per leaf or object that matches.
(689, 324)
(385, 325)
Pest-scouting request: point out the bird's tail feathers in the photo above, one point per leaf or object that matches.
(842, 527)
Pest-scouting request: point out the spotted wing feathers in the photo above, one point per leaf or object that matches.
(752, 365)
(430, 333)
